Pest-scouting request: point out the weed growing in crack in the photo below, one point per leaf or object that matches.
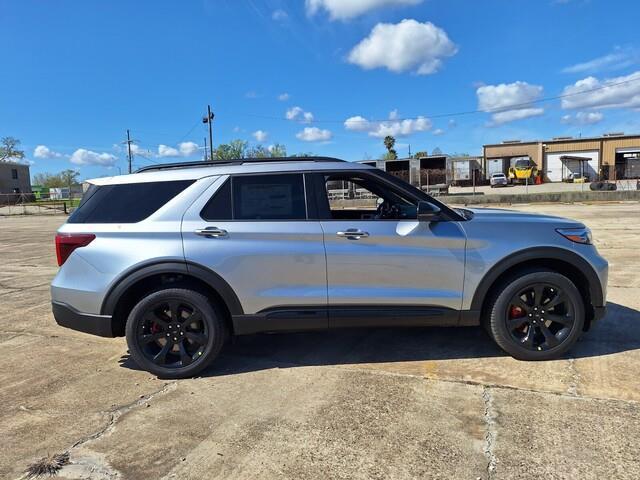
(49, 465)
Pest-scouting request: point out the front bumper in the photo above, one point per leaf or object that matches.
(67, 316)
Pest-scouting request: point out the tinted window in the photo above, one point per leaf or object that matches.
(14, 173)
(126, 203)
(269, 197)
(219, 207)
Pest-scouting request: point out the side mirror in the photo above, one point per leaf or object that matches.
(428, 212)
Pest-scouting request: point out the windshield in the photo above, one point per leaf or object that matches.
(524, 163)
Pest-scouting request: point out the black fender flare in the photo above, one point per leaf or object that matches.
(140, 272)
(539, 253)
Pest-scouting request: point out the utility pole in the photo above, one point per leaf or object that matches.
(128, 141)
(209, 119)
(205, 150)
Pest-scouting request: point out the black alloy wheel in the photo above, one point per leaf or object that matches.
(540, 317)
(172, 333)
(536, 314)
(175, 333)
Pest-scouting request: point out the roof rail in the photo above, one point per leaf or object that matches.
(239, 161)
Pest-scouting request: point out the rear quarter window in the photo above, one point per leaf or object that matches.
(125, 203)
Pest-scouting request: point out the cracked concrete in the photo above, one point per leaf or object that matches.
(424, 403)
(490, 435)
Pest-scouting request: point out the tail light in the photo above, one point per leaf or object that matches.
(66, 243)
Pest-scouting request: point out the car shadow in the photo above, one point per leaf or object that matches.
(618, 332)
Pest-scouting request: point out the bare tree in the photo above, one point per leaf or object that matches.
(9, 149)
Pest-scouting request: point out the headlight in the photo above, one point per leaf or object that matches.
(577, 235)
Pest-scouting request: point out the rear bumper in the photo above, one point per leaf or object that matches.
(67, 316)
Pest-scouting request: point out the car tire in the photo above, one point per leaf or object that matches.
(175, 333)
(536, 314)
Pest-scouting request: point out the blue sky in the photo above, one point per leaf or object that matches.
(77, 74)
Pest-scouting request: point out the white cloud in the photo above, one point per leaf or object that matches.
(582, 118)
(408, 45)
(279, 15)
(86, 157)
(185, 149)
(283, 97)
(42, 151)
(438, 131)
(619, 92)
(139, 151)
(619, 58)
(188, 148)
(498, 100)
(167, 151)
(314, 134)
(251, 94)
(346, 9)
(298, 114)
(260, 135)
(394, 126)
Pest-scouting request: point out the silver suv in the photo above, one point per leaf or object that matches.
(179, 257)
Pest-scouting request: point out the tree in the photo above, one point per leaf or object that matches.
(69, 177)
(421, 154)
(9, 150)
(304, 154)
(66, 178)
(389, 142)
(231, 151)
(258, 151)
(278, 150)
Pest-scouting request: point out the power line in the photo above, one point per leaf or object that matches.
(515, 106)
(189, 132)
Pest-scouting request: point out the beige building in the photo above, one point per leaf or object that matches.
(613, 156)
(14, 178)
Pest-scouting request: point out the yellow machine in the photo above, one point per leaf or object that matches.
(523, 169)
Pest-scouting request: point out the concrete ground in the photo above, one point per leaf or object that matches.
(423, 403)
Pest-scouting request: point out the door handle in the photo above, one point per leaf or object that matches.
(353, 234)
(211, 232)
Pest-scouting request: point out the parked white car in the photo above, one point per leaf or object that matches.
(498, 180)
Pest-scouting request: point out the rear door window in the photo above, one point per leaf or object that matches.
(258, 197)
(269, 197)
(125, 203)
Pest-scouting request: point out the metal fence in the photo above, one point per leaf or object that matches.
(32, 204)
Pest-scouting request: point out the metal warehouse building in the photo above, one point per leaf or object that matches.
(613, 156)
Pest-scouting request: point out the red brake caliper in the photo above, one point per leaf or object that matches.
(517, 312)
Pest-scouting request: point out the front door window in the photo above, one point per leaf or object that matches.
(360, 197)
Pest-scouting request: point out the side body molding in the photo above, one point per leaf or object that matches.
(539, 253)
(141, 272)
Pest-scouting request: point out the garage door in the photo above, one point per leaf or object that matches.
(557, 169)
(494, 166)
